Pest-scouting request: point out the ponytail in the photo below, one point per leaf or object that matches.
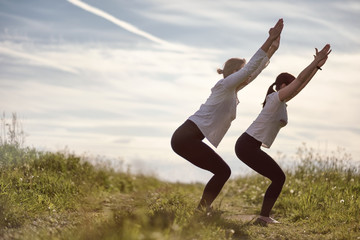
(270, 90)
(283, 78)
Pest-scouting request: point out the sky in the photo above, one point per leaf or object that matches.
(112, 80)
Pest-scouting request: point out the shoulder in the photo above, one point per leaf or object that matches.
(219, 84)
(273, 97)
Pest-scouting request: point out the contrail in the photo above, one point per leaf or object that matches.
(118, 22)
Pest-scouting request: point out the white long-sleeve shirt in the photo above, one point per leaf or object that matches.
(215, 116)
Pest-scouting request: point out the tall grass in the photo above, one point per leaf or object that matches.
(11, 132)
(35, 182)
(324, 191)
(320, 199)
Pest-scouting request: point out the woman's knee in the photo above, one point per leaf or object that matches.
(280, 178)
(177, 144)
(224, 172)
(174, 143)
(228, 172)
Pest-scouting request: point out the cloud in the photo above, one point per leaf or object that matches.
(33, 58)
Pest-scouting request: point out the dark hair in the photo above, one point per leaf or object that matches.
(285, 77)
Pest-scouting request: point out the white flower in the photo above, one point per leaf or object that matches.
(342, 201)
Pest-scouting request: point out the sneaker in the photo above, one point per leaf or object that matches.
(261, 220)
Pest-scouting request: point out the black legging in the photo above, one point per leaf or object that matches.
(187, 142)
(248, 150)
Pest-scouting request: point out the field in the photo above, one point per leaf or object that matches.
(46, 195)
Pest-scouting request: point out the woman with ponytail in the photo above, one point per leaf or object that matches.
(263, 131)
(214, 117)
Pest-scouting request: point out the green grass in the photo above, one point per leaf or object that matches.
(46, 195)
(33, 182)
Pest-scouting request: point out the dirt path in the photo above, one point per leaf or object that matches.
(55, 224)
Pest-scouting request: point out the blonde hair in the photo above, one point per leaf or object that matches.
(230, 66)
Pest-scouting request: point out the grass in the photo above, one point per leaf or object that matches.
(60, 196)
(45, 195)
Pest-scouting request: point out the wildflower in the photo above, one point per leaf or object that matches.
(342, 201)
(292, 191)
(21, 179)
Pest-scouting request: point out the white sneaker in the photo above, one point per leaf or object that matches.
(261, 220)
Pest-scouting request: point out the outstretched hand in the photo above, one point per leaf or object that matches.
(274, 38)
(276, 30)
(322, 56)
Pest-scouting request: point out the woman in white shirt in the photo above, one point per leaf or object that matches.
(263, 130)
(214, 117)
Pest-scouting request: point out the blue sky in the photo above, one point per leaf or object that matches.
(116, 78)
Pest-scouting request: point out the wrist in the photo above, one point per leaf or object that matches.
(319, 68)
(316, 63)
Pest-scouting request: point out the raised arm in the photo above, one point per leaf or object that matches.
(274, 34)
(291, 90)
(239, 78)
(274, 46)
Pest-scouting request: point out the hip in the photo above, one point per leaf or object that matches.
(188, 130)
(246, 144)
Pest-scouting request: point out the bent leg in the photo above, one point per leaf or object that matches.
(267, 167)
(250, 153)
(187, 142)
(208, 159)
